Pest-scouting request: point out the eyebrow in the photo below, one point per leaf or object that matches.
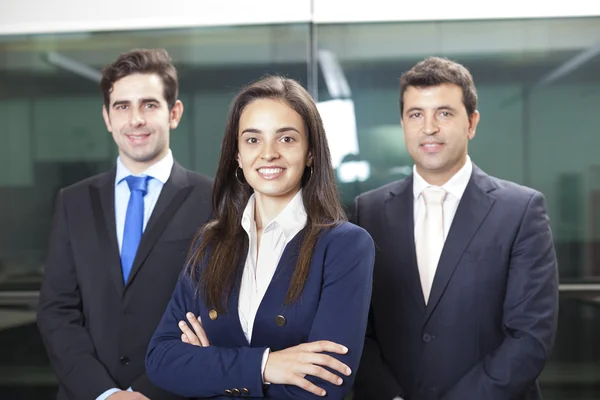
(143, 101)
(442, 107)
(280, 130)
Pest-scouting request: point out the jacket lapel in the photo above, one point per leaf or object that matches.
(399, 216)
(472, 210)
(102, 198)
(173, 193)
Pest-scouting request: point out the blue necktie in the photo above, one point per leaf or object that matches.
(134, 222)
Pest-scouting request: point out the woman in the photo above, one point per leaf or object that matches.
(277, 287)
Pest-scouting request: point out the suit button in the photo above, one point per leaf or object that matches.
(213, 314)
(228, 392)
(124, 360)
(245, 392)
(280, 320)
(427, 338)
(236, 392)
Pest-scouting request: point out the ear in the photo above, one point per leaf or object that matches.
(473, 121)
(106, 119)
(175, 114)
(239, 160)
(309, 159)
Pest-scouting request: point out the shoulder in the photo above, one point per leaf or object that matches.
(199, 180)
(514, 193)
(378, 195)
(346, 236)
(83, 186)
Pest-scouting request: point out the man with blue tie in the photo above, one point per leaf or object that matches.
(119, 240)
(465, 285)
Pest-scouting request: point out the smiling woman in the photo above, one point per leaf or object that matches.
(279, 277)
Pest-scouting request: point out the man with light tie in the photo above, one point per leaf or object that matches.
(465, 291)
(119, 240)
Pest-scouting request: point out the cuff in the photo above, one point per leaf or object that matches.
(105, 395)
(263, 364)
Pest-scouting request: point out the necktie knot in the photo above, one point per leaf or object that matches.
(139, 183)
(434, 195)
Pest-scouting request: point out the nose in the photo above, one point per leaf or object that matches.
(430, 126)
(137, 119)
(269, 152)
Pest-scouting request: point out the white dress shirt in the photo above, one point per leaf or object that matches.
(455, 187)
(160, 173)
(262, 261)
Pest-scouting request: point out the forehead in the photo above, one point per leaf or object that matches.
(137, 86)
(268, 112)
(446, 93)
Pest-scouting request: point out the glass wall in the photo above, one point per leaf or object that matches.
(538, 85)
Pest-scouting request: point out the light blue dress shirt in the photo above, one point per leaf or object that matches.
(160, 173)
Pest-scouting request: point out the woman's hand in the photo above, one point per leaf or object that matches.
(290, 366)
(197, 337)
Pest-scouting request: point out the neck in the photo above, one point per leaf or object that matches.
(441, 177)
(267, 208)
(137, 167)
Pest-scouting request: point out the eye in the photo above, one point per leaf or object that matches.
(252, 140)
(415, 115)
(120, 107)
(150, 105)
(288, 139)
(445, 114)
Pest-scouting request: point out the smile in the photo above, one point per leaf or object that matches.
(270, 173)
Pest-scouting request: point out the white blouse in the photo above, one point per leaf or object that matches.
(261, 262)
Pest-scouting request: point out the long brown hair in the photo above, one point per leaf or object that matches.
(218, 254)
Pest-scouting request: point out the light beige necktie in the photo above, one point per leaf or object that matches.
(430, 237)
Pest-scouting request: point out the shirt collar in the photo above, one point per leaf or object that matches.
(160, 170)
(455, 186)
(291, 219)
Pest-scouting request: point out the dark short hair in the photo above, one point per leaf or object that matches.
(142, 61)
(435, 71)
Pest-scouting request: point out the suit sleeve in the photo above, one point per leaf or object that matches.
(193, 371)
(343, 309)
(60, 318)
(374, 379)
(530, 315)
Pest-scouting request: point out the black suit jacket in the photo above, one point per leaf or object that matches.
(96, 329)
(490, 322)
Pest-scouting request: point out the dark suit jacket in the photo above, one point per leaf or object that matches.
(334, 306)
(96, 329)
(490, 322)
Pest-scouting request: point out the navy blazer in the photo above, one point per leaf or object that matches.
(334, 306)
(488, 328)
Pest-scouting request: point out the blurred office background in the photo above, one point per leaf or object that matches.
(537, 70)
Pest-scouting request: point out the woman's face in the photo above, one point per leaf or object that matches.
(273, 149)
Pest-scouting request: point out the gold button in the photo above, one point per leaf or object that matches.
(236, 392)
(280, 320)
(245, 392)
(213, 314)
(228, 392)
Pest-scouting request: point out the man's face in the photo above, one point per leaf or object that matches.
(140, 120)
(437, 130)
